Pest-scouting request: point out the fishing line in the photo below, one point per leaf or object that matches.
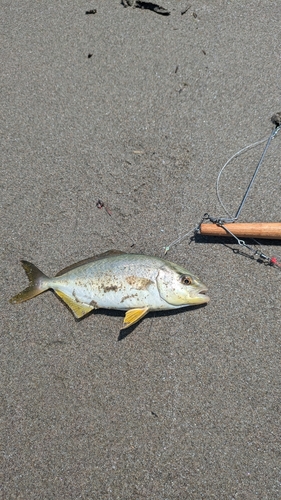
(240, 152)
(179, 239)
(272, 135)
(220, 221)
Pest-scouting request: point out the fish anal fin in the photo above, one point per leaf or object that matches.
(134, 315)
(79, 309)
(109, 253)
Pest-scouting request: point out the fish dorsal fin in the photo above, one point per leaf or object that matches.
(109, 253)
(78, 308)
(134, 315)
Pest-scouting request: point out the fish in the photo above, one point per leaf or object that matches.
(133, 283)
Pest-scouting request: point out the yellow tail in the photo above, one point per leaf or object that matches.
(38, 283)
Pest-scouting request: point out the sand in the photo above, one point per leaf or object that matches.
(139, 110)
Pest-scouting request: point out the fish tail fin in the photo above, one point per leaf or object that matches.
(38, 283)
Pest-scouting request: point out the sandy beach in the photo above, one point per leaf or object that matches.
(140, 109)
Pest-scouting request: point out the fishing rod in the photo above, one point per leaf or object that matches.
(228, 226)
(262, 230)
(225, 226)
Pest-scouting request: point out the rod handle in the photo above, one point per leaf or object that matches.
(266, 230)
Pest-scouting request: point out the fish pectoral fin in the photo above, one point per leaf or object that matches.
(134, 315)
(79, 309)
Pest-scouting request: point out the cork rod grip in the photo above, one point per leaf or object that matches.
(266, 230)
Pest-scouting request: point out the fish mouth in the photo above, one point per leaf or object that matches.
(200, 297)
(204, 295)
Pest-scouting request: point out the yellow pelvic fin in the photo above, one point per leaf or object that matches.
(134, 315)
(78, 308)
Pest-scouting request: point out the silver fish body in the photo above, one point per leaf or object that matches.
(116, 280)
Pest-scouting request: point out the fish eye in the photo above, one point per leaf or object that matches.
(186, 280)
